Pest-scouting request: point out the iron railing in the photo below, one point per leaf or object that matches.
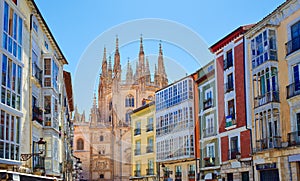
(269, 97)
(293, 90)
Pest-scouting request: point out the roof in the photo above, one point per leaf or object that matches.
(231, 36)
(47, 29)
(69, 90)
(258, 24)
(143, 107)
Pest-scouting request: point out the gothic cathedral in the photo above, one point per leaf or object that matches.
(103, 143)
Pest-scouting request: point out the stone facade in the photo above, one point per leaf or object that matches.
(107, 136)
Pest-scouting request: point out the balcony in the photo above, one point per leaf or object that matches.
(230, 120)
(191, 174)
(208, 103)
(267, 143)
(209, 161)
(293, 90)
(149, 127)
(294, 138)
(292, 45)
(137, 173)
(137, 131)
(232, 153)
(228, 86)
(37, 115)
(269, 97)
(208, 132)
(137, 151)
(228, 63)
(37, 73)
(149, 149)
(150, 171)
(178, 175)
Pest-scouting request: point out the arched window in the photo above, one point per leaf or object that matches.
(101, 175)
(101, 138)
(80, 144)
(129, 101)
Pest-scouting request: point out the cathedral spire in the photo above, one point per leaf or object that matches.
(129, 73)
(141, 45)
(117, 65)
(104, 63)
(161, 66)
(141, 67)
(147, 71)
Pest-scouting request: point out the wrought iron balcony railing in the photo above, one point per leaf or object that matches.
(228, 86)
(209, 161)
(293, 90)
(137, 131)
(228, 63)
(232, 153)
(149, 127)
(292, 45)
(208, 103)
(137, 173)
(267, 143)
(150, 171)
(149, 149)
(269, 97)
(294, 138)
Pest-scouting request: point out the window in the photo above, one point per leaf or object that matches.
(9, 136)
(210, 150)
(11, 83)
(234, 147)
(296, 76)
(137, 150)
(150, 145)
(101, 138)
(150, 170)
(231, 110)
(12, 32)
(207, 103)
(51, 75)
(129, 101)
(137, 130)
(80, 144)
(101, 175)
(228, 62)
(209, 125)
(150, 124)
(229, 84)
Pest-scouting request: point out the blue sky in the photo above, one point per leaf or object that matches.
(76, 24)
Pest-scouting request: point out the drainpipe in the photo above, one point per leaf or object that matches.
(245, 69)
(30, 88)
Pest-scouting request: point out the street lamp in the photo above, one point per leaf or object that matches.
(42, 151)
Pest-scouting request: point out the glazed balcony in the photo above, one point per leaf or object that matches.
(293, 90)
(294, 138)
(137, 131)
(269, 97)
(292, 45)
(208, 103)
(37, 114)
(149, 127)
(150, 171)
(228, 86)
(137, 173)
(234, 153)
(267, 143)
(38, 163)
(228, 63)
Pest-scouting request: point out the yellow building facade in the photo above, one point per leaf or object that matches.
(143, 143)
(272, 75)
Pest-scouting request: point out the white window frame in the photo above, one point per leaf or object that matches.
(211, 145)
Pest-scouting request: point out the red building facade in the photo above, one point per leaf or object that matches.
(234, 135)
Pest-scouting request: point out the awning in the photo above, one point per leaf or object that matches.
(208, 176)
